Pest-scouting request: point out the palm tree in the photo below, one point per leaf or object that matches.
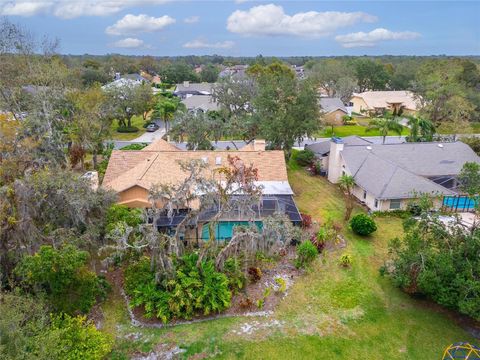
(166, 109)
(347, 183)
(389, 122)
(420, 129)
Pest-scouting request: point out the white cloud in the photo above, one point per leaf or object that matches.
(202, 44)
(271, 20)
(191, 19)
(24, 8)
(363, 39)
(135, 24)
(69, 9)
(129, 43)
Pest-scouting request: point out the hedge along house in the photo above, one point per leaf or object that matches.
(389, 176)
(131, 174)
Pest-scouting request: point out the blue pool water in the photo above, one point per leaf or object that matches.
(459, 203)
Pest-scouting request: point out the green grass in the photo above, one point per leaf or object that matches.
(136, 121)
(329, 313)
(348, 130)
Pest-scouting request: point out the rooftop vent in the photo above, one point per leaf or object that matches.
(218, 160)
(205, 159)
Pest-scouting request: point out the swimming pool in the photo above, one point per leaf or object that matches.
(460, 202)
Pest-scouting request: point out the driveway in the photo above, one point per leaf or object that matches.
(149, 137)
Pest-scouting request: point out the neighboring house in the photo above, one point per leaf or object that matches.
(377, 102)
(299, 71)
(126, 80)
(236, 71)
(120, 83)
(188, 89)
(388, 176)
(131, 174)
(333, 110)
(202, 103)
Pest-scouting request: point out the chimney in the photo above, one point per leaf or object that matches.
(334, 160)
(186, 84)
(259, 145)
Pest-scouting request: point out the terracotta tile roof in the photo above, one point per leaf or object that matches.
(145, 168)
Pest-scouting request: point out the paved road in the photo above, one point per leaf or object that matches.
(229, 145)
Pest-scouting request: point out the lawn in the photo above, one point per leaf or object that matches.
(329, 313)
(348, 130)
(136, 121)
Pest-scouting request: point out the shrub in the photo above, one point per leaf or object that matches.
(27, 331)
(245, 302)
(306, 220)
(265, 295)
(64, 278)
(319, 239)
(306, 253)
(305, 157)
(281, 284)
(138, 273)
(76, 338)
(235, 275)
(414, 209)
(192, 290)
(255, 273)
(127, 129)
(121, 213)
(346, 260)
(363, 224)
(138, 146)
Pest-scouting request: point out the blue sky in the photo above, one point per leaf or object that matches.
(249, 28)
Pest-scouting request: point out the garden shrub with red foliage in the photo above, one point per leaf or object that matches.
(306, 220)
(255, 273)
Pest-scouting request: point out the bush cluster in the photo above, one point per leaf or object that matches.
(306, 253)
(127, 129)
(121, 213)
(305, 157)
(440, 262)
(363, 225)
(193, 290)
(63, 277)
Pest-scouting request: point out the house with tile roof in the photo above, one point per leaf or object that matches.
(376, 102)
(388, 176)
(131, 174)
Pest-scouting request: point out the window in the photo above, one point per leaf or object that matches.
(364, 195)
(395, 204)
(376, 203)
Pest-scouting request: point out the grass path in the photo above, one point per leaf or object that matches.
(330, 313)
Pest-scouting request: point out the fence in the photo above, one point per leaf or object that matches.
(460, 203)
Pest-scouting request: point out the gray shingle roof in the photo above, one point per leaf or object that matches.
(194, 87)
(331, 104)
(398, 170)
(323, 147)
(203, 102)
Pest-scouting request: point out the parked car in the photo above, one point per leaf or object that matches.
(152, 127)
